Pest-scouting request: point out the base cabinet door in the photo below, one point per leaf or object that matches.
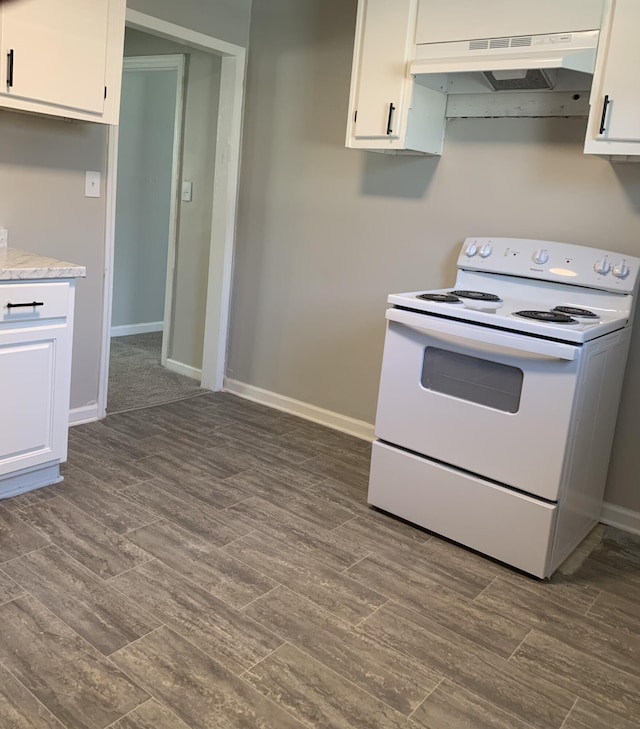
(34, 397)
(614, 118)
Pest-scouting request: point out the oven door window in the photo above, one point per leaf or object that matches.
(481, 381)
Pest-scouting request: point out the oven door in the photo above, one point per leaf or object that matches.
(494, 403)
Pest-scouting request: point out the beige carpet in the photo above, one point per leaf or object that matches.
(136, 377)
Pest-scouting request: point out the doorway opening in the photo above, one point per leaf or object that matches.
(194, 297)
(146, 231)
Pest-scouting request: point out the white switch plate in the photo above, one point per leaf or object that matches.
(187, 191)
(4, 237)
(91, 184)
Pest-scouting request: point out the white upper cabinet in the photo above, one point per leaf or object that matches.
(387, 111)
(614, 119)
(457, 20)
(62, 57)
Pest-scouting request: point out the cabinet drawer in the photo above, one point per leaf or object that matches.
(33, 301)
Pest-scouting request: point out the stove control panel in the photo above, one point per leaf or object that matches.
(552, 261)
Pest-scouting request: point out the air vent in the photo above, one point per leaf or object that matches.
(478, 45)
(533, 79)
(522, 42)
(499, 43)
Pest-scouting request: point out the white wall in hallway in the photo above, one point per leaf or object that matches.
(145, 156)
(202, 90)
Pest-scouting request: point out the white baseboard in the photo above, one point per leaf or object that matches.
(125, 330)
(621, 518)
(183, 369)
(358, 428)
(85, 414)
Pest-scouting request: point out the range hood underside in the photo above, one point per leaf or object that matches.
(562, 61)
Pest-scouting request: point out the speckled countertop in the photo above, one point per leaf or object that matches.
(17, 265)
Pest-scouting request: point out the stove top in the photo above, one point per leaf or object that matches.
(554, 290)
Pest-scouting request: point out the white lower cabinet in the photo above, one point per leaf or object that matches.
(35, 366)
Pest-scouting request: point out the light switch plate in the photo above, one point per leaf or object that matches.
(4, 237)
(91, 184)
(187, 191)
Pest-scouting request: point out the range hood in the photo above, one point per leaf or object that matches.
(518, 63)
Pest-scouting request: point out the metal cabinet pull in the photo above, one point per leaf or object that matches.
(392, 108)
(10, 68)
(27, 304)
(604, 114)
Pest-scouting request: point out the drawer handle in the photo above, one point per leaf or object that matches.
(392, 108)
(603, 120)
(10, 68)
(22, 306)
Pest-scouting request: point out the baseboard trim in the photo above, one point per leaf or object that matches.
(125, 330)
(85, 414)
(621, 518)
(181, 368)
(337, 421)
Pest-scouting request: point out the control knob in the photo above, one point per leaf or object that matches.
(602, 266)
(486, 250)
(620, 270)
(472, 249)
(541, 256)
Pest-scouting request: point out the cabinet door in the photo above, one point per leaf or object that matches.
(619, 85)
(32, 397)
(457, 20)
(387, 34)
(55, 52)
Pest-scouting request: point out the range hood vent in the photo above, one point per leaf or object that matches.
(530, 79)
(516, 63)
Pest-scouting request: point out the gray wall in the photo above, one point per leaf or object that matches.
(202, 91)
(145, 160)
(324, 233)
(227, 20)
(42, 202)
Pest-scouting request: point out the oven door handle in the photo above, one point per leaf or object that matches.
(481, 338)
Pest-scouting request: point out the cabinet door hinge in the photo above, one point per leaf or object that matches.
(105, 92)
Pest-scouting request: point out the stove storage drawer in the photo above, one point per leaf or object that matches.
(494, 403)
(511, 527)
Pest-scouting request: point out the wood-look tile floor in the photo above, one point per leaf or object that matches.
(212, 563)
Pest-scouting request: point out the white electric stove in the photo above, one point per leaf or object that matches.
(498, 398)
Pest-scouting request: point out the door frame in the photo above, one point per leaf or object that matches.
(223, 208)
(173, 62)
